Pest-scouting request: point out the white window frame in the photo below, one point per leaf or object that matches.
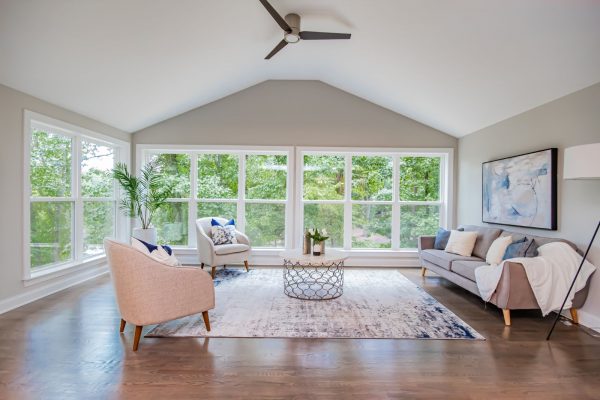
(446, 156)
(145, 151)
(77, 134)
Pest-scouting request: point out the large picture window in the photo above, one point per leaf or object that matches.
(71, 194)
(373, 200)
(248, 185)
(366, 200)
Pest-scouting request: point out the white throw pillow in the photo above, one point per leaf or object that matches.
(159, 254)
(461, 243)
(139, 246)
(497, 249)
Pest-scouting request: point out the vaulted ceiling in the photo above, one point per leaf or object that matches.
(457, 66)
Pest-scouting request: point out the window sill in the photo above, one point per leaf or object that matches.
(56, 271)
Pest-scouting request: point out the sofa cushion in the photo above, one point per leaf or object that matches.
(466, 269)
(485, 238)
(223, 249)
(443, 259)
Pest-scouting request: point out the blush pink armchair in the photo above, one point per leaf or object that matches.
(149, 292)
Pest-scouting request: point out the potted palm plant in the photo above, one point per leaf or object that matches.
(142, 196)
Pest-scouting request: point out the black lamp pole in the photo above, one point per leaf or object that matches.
(573, 283)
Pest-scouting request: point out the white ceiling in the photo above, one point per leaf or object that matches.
(457, 66)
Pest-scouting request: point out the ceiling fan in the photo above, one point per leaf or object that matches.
(291, 30)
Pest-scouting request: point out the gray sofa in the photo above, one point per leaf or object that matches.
(513, 292)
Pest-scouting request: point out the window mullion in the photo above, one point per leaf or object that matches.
(396, 203)
(193, 203)
(78, 232)
(347, 202)
(241, 205)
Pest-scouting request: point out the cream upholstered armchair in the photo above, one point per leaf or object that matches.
(149, 292)
(223, 254)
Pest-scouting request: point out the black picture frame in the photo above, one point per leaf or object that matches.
(553, 152)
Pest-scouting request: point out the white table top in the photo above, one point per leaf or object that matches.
(329, 257)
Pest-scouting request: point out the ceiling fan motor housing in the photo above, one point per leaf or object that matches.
(293, 21)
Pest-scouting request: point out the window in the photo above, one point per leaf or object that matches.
(366, 199)
(246, 184)
(71, 194)
(373, 200)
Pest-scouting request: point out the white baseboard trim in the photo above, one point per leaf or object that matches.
(43, 289)
(589, 320)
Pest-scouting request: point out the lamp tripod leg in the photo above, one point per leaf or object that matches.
(573, 283)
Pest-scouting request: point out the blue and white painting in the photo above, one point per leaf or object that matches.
(521, 190)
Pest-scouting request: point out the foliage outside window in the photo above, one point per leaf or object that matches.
(71, 194)
(385, 209)
(365, 200)
(249, 187)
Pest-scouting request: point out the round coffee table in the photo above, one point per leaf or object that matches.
(309, 277)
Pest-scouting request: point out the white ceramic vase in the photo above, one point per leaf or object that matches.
(147, 235)
(317, 249)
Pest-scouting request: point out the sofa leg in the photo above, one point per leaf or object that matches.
(206, 321)
(574, 316)
(423, 271)
(202, 265)
(246, 265)
(506, 313)
(213, 272)
(122, 327)
(136, 338)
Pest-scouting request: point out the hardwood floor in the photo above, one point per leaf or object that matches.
(68, 346)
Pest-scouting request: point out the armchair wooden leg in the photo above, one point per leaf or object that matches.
(213, 272)
(136, 338)
(574, 316)
(206, 321)
(506, 313)
(423, 271)
(122, 327)
(246, 265)
(202, 265)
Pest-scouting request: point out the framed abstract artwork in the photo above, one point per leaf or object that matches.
(521, 190)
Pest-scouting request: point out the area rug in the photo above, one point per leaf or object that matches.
(376, 304)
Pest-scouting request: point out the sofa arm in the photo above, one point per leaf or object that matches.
(426, 242)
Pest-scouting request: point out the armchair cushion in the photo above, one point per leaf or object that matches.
(223, 249)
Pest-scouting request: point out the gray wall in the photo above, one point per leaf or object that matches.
(568, 121)
(302, 113)
(12, 104)
(295, 113)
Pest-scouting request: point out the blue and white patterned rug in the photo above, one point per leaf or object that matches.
(381, 304)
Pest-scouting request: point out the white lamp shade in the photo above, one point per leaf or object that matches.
(582, 162)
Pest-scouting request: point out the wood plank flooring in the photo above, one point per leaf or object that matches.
(68, 346)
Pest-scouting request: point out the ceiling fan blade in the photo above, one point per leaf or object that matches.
(307, 35)
(278, 18)
(279, 46)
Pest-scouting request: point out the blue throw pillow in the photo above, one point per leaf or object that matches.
(441, 239)
(532, 251)
(152, 247)
(518, 248)
(214, 222)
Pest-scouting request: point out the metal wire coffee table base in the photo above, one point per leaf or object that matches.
(313, 282)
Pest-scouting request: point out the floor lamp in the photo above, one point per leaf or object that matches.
(580, 162)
